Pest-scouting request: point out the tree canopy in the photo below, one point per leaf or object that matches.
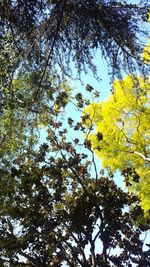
(47, 33)
(51, 209)
(122, 132)
(56, 207)
(121, 137)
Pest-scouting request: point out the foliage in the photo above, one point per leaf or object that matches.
(52, 206)
(22, 116)
(121, 137)
(57, 32)
(52, 209)
(56, 208)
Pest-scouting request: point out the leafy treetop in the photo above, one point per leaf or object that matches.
(122, 131)
(52, 208)
(46, 33)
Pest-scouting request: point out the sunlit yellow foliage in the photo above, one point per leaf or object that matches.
(123, 121)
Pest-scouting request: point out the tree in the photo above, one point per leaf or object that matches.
(50, 33)
(52, 208)
(122, 133)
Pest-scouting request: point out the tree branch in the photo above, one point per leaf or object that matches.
(141, 155)
(52, 48)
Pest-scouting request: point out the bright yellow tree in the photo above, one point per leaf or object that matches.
(122, 131)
